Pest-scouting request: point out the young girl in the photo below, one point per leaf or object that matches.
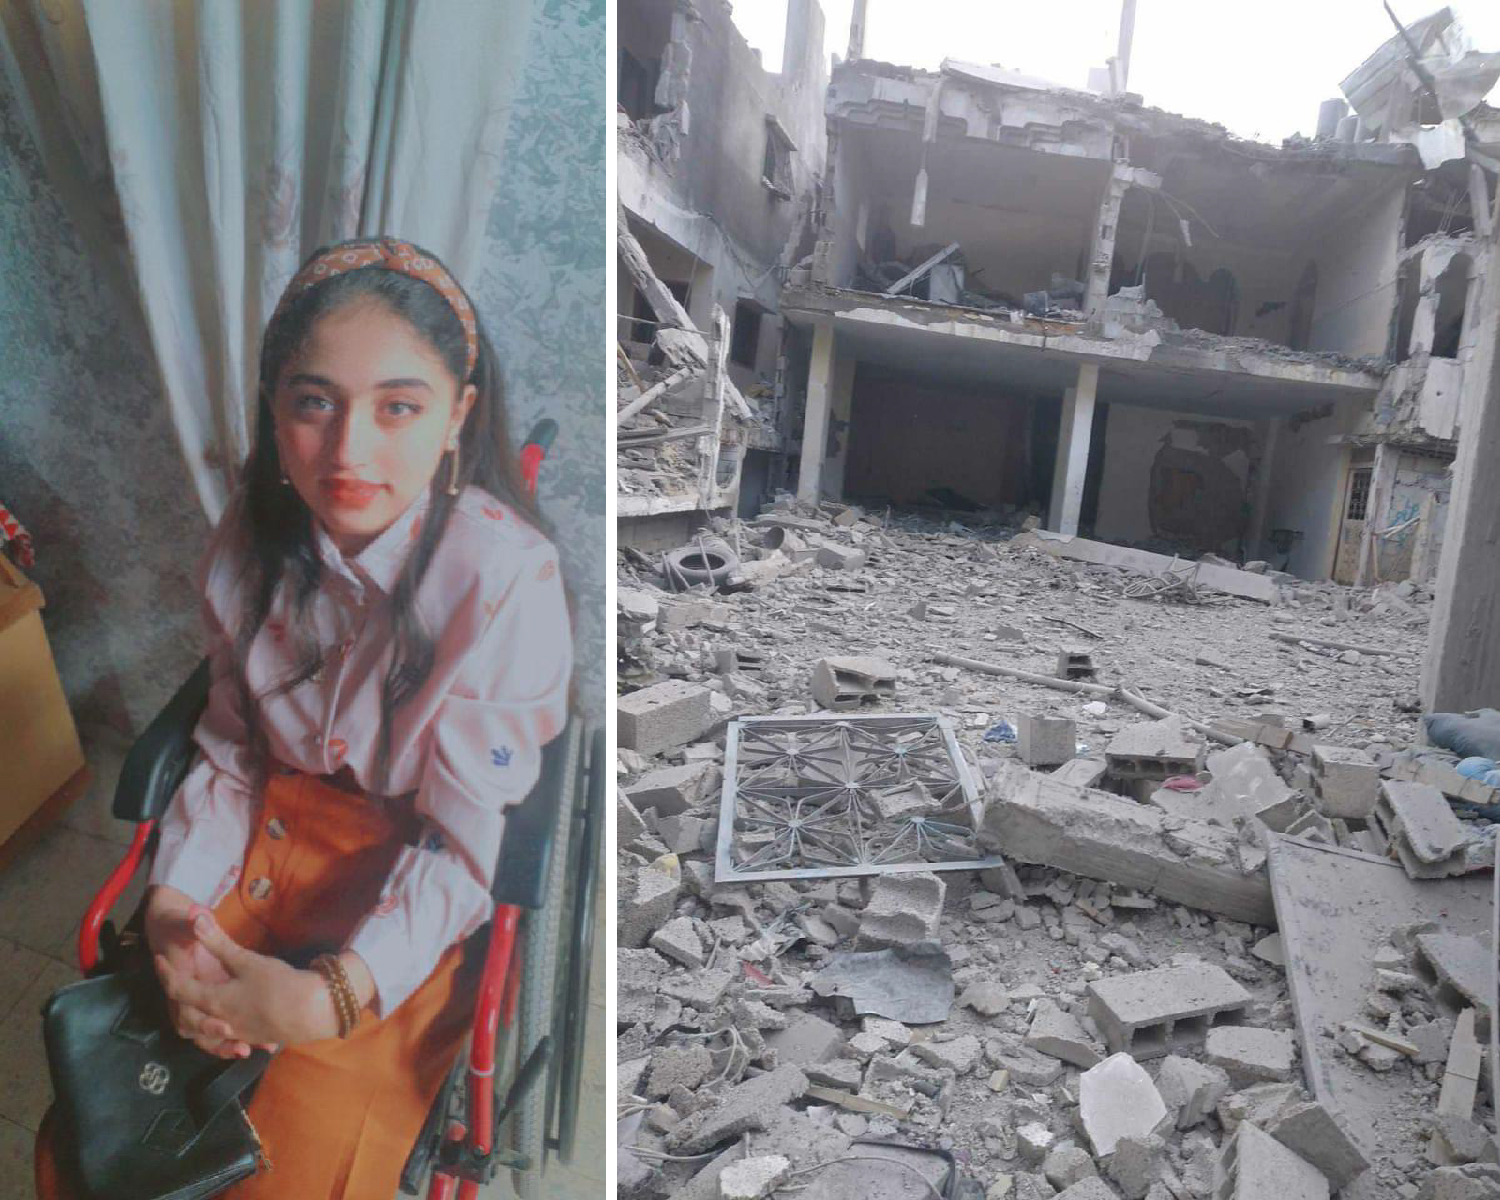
(390, 650)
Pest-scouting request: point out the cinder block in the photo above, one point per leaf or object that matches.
(1154, 750)
(1250, 1054)
(1150, 1013)
(662, 716)
(1045, 741)
(1419, 823)
(674, 790)
(905, 912)
(646, 904)
(1255, 1166)
(845, 684)
(1076, 665)
(1346, 781)
(840, 558)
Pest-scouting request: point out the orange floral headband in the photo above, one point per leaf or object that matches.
(391, 255)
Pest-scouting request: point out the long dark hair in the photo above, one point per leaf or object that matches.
(277, 529)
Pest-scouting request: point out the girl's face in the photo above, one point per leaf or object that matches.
(364, 414)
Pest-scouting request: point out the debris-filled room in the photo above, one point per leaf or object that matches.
(1058, 667)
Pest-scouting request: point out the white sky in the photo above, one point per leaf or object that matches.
(1260, 69)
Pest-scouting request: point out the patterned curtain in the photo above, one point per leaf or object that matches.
(206, 147)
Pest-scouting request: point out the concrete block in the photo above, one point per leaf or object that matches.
(1081, 772)
(1117, 1099)
(1154, 750)
(959, 1055)
(1151, 1013)
(1244, 784)
(1346, 781)
(840, 558)
(1059, 1034)
(753, 1178)
(629, 828)
(846, 684)
(664, 715)
(1067, 1164)
(745, 1108)
(905, 912)
(1030, 817)
(1457, 974)
(1254, 1166)
(1076, 665)
(1309, 1130)
(646, 902)
(1421, 827)
(1251, 1054)
(1045, 741)
(675, 1067)
(678, 940)
(674, 790)
(806, 1040)
(1190, 1089)
(1136, 1164)
(635, 612)
(1092, 1188)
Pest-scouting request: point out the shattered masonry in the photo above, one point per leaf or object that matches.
(1023, 785)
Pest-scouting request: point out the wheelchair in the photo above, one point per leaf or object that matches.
(531, 1012)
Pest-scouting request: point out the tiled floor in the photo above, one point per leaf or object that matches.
(42, 898)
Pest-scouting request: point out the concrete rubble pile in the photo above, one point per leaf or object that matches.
(1107, 1014)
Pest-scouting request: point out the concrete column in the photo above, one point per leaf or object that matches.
(815, 422)
(1260, 504)
(1377, 513)
(857, 30)
(1102, 249)
(1462, 670)
(1072, 462)
(840, 416)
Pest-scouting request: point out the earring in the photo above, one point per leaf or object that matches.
(453, 474)
(285, 481)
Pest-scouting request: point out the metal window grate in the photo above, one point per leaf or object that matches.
(813, 797)
(1359, 495)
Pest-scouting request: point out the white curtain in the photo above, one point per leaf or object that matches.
(205, 147)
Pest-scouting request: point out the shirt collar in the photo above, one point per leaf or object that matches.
(381, 561)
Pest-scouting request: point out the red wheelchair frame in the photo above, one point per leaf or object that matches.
(462, 1155)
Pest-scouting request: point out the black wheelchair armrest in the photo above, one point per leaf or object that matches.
(160, 758)
(530, 827)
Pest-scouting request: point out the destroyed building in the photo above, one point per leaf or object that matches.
(719, 169)
(961, 858)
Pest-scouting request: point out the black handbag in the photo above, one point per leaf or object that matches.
(142, 1113)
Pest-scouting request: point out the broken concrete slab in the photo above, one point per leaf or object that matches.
(1251, 1054)
(753, 1178)
(1030, 817)
(746, 1107)
(1461, 1075)
(847, 684)
(664, 715)
(1092, 1188)
(1060, 1035)
(1254, 1166)
(905, 912)
(647, 899)
(1190, 1089)
(678, 939)
(806, 1041)
(1346, 781)
(1309, 1130)
(1137, 1164)
(1156, 1012)
(1117, 1099)
(1245, 784)
(959, 1055)
(1045, 741)
(1336, 909)
(1081, 772)
(674, 790)
(1457, 971)
(1143, 562)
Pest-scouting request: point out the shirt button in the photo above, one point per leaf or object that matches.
(260, 887)
(276, 828)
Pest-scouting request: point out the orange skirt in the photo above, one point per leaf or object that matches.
(336, 1117)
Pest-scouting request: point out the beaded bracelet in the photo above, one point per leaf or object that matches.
(345, 1003)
